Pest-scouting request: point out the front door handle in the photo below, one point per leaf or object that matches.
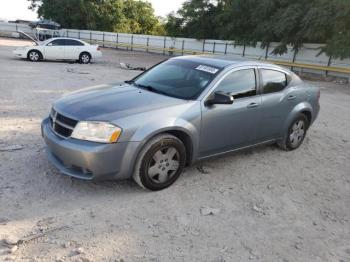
(252, 105)
(291, 97)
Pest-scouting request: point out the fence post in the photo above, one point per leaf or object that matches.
(203, 46)
(117, 41)
(183, 46)
(147, 43)
(329, 64)
(79, 34)
(16, 28)
(267, 50)
(294, 57)
(132, 42)
(225, 48)
(243, 50)
(90, 37)
(67, 32)
(214, 47)
(164, 45)
(103, 39)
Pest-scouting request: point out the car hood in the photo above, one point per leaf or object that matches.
(111, 102)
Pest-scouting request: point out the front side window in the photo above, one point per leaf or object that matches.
(57, 42)
(178, 78)
(273, 81)
(239, 84)
(71, 42)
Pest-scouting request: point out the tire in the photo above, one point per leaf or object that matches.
(296, 133)
(34, 56)
(160, 162)
(85, 58)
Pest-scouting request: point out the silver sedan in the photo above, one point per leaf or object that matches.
(181, 111)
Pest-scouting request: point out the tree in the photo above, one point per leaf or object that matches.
(195, 19)
(251, 21)
(126, 16)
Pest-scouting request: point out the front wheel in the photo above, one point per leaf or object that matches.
(295, 134)
(160, 162)
(34, 56)
(84, 58)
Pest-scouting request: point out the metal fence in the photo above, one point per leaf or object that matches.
(306, 60)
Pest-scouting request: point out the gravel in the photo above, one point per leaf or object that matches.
(263, 204)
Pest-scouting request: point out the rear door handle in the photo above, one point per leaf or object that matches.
(252, 105)
(291, 97)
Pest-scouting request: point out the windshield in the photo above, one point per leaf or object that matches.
(178, 78)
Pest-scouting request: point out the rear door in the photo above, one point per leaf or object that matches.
(279, 97)
(55, 49)
(73, 49)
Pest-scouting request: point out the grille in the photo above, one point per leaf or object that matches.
(62, 125)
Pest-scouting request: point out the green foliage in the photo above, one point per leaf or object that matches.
(125, 16)
(251, 21)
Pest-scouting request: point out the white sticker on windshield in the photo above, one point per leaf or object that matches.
(208, 69)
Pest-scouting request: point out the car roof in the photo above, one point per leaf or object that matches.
(63, 38)
(222, 61)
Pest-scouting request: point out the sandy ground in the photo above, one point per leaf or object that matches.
(267, 204)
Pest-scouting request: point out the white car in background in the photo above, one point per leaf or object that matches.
(59, 48)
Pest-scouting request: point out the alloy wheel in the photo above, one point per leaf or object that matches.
(85, 58)
(164, 165)
(34, 56)
(297, 133)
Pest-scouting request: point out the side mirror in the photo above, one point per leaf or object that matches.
(219, 98)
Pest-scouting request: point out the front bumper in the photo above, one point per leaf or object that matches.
(20, 53)
(89, 160)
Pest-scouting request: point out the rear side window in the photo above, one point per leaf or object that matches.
(273, 81)
(72, 42)
(239, 84)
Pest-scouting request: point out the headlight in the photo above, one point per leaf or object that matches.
(96, 132)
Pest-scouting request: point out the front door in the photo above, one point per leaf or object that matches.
(55, 49)
(227, 127)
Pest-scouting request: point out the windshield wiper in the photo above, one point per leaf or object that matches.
(129, 82)
(151, 88)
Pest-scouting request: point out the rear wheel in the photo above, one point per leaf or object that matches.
(295, 134)
(84, 58)
(160, 162)
(34, 56)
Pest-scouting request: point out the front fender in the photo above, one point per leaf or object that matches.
(151, 129)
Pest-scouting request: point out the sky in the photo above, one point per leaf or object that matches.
(18, 9)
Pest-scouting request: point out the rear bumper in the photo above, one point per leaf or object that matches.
(88, 160)
(97, 54)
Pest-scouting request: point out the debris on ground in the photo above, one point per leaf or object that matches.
(259, 210)
(11, 148)
(206, 211)
(3, 221)
(202, 170)
(74, 71)
(77, 251)
(12, 242)
(130, 67)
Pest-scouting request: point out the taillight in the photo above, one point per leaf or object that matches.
(98, 48)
